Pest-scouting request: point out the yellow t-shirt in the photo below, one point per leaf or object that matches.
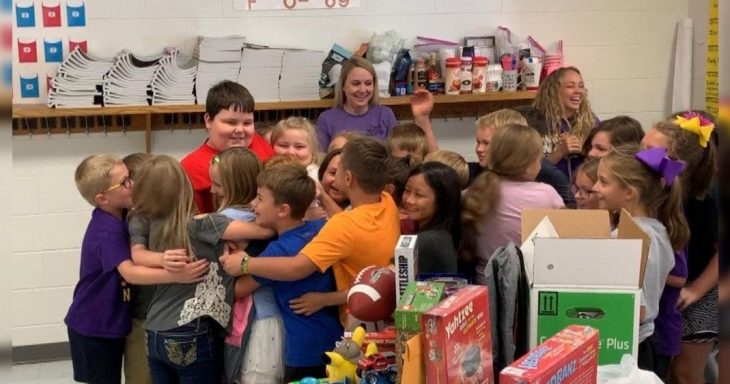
(353, 240)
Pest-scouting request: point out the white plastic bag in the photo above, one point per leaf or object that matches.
(626, 373)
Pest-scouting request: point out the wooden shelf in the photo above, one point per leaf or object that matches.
(40, 119)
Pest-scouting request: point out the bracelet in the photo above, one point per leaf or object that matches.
(244, 265)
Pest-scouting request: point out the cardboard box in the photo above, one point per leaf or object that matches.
(569, 357)
(419, 297)
(406, 265)
(457, 343)
(579, 275)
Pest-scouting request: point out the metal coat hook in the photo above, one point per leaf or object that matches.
(27, 126)
(190, 123)
(103, 124)
(86, 125)
(48, 128)
(68, 127)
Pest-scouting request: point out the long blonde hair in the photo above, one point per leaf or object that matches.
(504, 161)
(547, 102)
(661, 202)
(238, 169)
(350, 64)
(163, 191)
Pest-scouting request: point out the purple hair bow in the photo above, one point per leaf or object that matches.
(656, 159)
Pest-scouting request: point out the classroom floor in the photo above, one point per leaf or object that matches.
(56, 372)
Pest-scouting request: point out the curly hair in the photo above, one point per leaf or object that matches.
(547, 102)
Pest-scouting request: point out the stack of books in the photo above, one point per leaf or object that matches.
(78, 81)
(174, 80)
(300, 73)
(128, 81)
(219, 58)
(260, 71)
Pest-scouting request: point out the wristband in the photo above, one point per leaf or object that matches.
(244, 265)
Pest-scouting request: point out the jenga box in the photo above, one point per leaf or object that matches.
(569, 357)
(457, 346)
(418, 297)
(405, 262)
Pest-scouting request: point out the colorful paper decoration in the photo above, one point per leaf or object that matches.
(27, 51)
(76, 15)
(82, 45)
(53, 50)
(51, 15)
(25, 15)
(29, 87)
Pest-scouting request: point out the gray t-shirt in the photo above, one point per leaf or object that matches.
(174, 305)
(658, 265)
(139, 233)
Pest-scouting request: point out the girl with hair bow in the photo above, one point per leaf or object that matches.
(646, 184)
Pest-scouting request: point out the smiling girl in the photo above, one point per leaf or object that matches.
(295, 136)
(563, 116)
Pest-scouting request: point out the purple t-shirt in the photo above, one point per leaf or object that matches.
(99, 307)
(668, 323)
(376, 122)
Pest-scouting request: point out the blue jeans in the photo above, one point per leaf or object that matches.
(191, 353)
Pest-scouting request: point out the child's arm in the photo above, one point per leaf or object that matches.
(330, 206)
(676, 281)
(172, 260)
(274, 268)
(244, 230)
(140, 275)
(245, 285)
(312, 302)
(421, 107)
(704, 283)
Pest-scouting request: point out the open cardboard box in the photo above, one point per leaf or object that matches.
(578, 274)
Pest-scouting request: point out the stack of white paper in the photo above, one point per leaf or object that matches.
(174, 80)
(128, 81)
(260, 72)
(219, 58)
(78, 81)
(300, 74)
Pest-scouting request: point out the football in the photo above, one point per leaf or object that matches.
(372, 296)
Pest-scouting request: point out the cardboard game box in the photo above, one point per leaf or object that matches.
(569, 357)
(579, 275)
(418, 297)
(406, 265)
(457, 343)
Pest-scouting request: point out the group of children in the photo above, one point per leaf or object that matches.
(251, 243)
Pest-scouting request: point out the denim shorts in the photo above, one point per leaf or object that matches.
(192, 353)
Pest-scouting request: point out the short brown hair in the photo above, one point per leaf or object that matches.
(228, 94)
(621, 129)
(93, 176)
(454, 160)
(280, 160)
(291, 185)
(408, 137)
(399, 170)
(367, 159)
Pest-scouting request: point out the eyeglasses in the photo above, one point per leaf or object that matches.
(581, 192)
(126, 183)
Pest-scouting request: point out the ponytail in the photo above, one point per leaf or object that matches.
(670, 213)
(480, 199)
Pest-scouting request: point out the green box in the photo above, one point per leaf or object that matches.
(615, 313)
(418, 297)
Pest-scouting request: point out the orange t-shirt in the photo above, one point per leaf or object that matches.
(352, 240)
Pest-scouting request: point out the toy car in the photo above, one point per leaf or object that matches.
(376, 367)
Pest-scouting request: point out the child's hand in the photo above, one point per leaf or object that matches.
(687, 297)
(231, 260)
(569, 144)
(174, 260)
(315, 212)
(421, 103)
(308, 303)
(193, 272)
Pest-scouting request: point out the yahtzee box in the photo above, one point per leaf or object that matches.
(457, 343)
(569, 357)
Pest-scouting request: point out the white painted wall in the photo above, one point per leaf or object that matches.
(623, 47)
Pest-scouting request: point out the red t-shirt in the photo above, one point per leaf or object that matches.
(197, 162)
